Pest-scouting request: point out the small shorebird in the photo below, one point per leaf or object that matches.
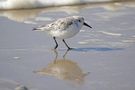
(64, 28)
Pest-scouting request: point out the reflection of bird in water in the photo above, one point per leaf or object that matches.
(64, 69)
(64, 28)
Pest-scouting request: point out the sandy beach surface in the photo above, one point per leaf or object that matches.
(103, 58)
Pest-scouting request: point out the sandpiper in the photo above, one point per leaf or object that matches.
(64, 28)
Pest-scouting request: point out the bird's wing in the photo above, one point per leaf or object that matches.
(61, 24)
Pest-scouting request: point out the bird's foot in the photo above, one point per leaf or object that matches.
(70, 48)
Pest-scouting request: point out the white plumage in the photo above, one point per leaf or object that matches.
(63, 28)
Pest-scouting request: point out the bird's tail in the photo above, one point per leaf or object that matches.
(38, 29)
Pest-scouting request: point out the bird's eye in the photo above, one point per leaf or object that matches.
(79, 20)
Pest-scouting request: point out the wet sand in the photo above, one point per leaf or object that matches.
(103, 58)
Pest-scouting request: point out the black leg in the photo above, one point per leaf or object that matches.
(55, 43)
(66, 45)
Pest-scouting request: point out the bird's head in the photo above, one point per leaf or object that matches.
(80, 21)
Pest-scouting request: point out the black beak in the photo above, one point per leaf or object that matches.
(87, 25)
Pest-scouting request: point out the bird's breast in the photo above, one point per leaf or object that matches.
(67, 33)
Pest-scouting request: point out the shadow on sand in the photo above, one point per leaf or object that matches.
(87, 49)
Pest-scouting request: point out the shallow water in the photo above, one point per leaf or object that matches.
(29, 4)
(103, 58)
